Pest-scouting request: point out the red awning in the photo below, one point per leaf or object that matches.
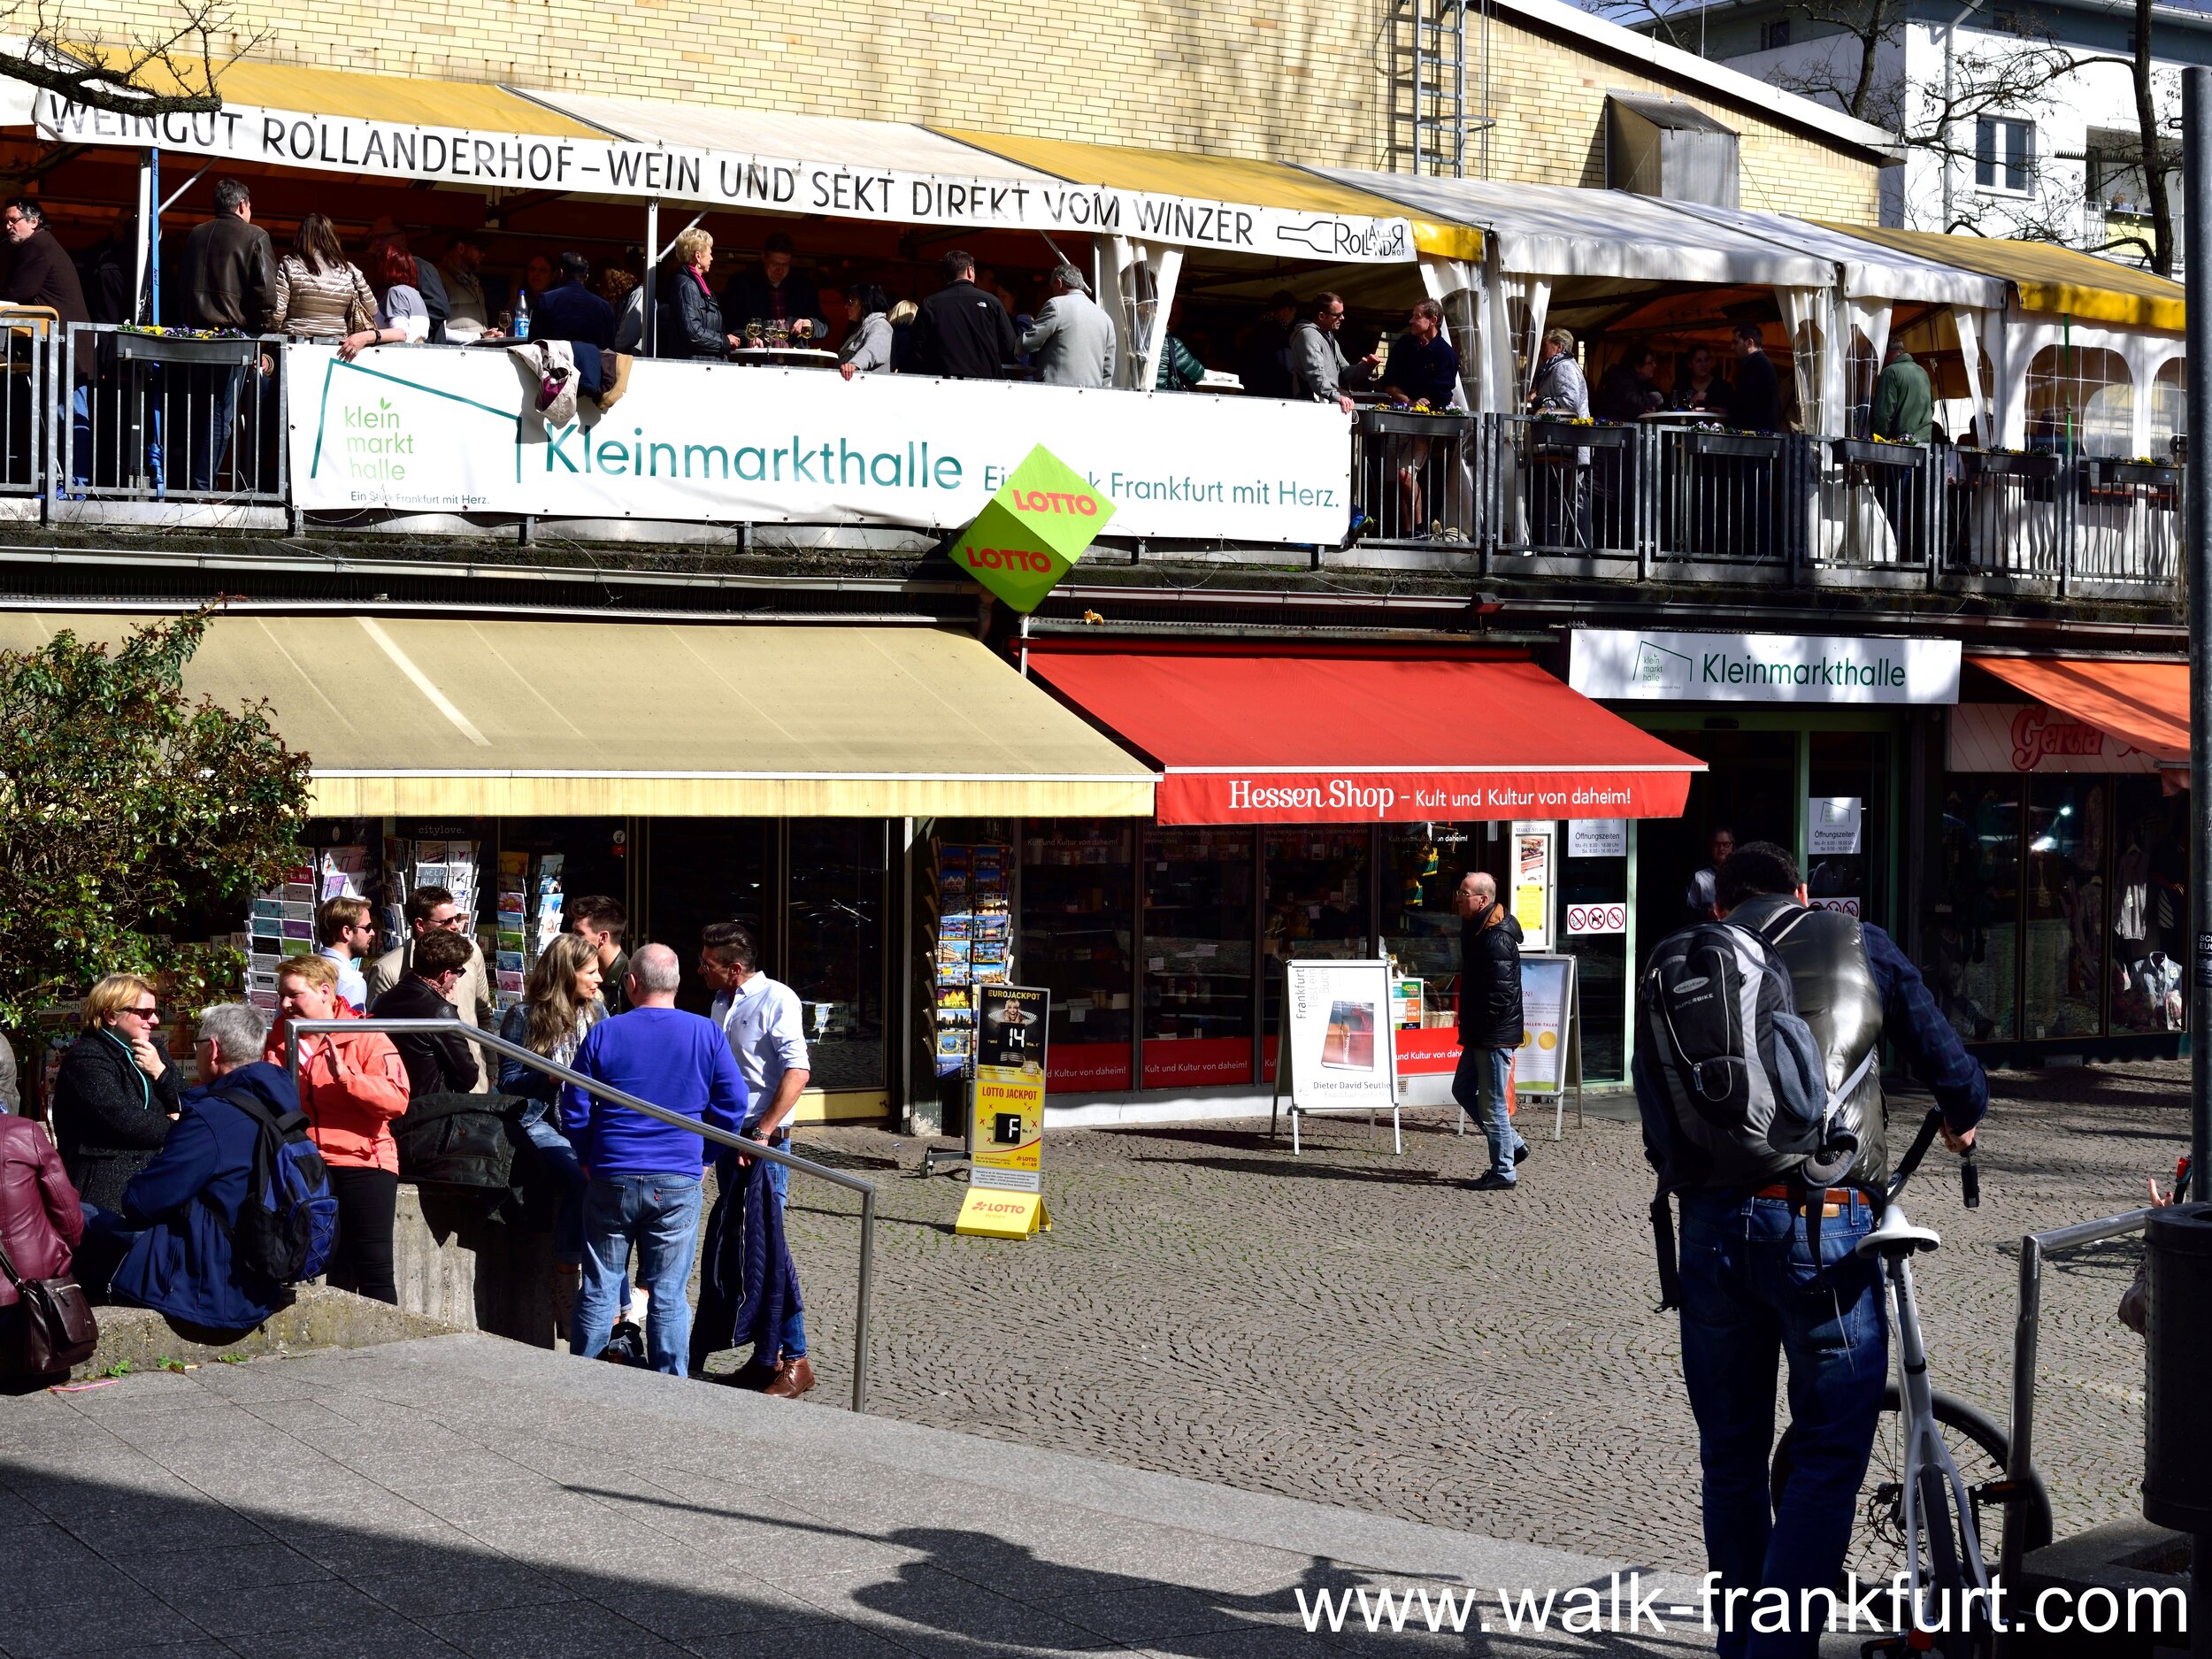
(1323, 737)
(2144, 704)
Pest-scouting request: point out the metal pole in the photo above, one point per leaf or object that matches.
(649, 338)
(145, 239)
(153, 238)
(860, 1308)
(2196, 123)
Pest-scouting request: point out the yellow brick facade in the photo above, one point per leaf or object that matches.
(1295, 83)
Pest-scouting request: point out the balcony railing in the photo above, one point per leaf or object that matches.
(98, 423)
(1498, 494)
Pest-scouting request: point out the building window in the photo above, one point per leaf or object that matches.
(2004, 154)
(1775, 35)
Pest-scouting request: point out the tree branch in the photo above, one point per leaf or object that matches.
(172, 72)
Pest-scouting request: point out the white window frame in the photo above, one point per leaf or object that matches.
(1998, 161)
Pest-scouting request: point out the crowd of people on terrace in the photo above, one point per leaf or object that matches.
(141, 1186)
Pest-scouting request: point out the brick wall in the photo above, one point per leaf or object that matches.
(1291, 82)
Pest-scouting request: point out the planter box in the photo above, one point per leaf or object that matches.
(1406, 422)
(229, 354)
(1566, 435)
(1864, 452)
(1984, 463)
(2117, 473)
(1737, 446)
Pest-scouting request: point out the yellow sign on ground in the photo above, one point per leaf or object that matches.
(1006, 1116)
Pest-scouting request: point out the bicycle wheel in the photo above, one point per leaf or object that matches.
(1976, 1445)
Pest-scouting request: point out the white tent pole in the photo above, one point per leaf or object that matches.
(648, 337)
(147, 232)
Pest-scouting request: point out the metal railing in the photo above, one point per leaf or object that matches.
(2035, 1250)
(172, 418)
(297, 1028)
(1687, 502)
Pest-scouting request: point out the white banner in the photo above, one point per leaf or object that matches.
(1633, 665)
(624, 167)
(449, 429)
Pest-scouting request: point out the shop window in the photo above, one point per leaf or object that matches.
(2149, 906)
(700, 871)
(2170, 407)
(1316, 907)
(1198, 923)
(2081, 399)
(1077, 900)
(1972, 931)
(834, 954)
(1421, 870)
(2063, 947)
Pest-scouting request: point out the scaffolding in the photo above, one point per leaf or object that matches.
(1429, 68)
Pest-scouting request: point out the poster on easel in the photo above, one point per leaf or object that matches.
(1337, 1042)
(1550, 1060)
(1006, 1114)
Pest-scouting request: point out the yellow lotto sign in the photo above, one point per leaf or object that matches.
(1006, 1116)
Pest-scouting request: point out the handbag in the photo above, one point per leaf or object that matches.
(54, 1328)
(360, 316)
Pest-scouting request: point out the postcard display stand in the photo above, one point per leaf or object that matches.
(974, 939)
(529, 916)
(283, 921)
(1336, 1046)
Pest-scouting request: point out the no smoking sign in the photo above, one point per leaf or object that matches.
(1597, 919)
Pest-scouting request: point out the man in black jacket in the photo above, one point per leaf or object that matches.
(1490, 1022)
(963, 332)
(442, 1063)
(43, 274)
(225, 279)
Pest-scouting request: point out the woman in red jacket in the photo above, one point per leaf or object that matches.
(40, 1223)
(352, 1085)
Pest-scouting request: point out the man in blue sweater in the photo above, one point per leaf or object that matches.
(644, 1174)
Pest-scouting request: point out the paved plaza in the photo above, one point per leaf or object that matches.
(1363, 1329)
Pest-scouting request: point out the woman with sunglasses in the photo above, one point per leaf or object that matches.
(115, 1093)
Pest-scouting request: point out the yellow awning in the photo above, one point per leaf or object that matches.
(2048, 278)
(458, 719)
(1215, 178)
(466, 105)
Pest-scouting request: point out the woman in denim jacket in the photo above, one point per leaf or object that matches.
(561, 1002)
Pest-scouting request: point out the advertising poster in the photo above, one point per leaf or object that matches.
(1531, 877)
(1337, 1017)
(1541, 1064)
(1006, 1121)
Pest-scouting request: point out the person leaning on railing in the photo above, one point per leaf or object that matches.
(401, 317)
(867, 349)
(320, 295)
(352, 1085)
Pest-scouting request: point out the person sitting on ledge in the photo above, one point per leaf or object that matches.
(186, 1202)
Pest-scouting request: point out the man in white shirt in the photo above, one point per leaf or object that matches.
(760, 1016)
(344, 933)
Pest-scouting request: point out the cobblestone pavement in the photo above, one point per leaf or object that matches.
(1365, 1330)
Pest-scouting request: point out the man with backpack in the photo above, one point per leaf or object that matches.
(1757, 1077)
(237, 1204)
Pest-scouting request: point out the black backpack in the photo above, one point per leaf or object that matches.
(287, 1225)
(454, 1140)
(1739, 1095)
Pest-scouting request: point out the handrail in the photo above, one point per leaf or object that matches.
(2026, 1341)
(294, 1029)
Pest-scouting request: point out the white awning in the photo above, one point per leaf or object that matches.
(1869, 272)
(1554, 231)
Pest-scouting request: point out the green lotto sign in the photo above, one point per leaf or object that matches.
(1038, 525)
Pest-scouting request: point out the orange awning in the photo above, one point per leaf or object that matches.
(2146, 703)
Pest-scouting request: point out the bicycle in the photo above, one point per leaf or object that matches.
(1918, 1516)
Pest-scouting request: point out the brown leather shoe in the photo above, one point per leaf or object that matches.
(794, 1377)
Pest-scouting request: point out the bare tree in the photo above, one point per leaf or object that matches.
(2158, 160)
(169, 71)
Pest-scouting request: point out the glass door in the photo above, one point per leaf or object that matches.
(1198, 957)
(1078, 908)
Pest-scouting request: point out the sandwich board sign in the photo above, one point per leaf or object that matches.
(1549, 1059)
(1030, 534)
(1337, 1050)
(1006, 1115)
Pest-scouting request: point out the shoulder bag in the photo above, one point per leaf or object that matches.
(54, 1328)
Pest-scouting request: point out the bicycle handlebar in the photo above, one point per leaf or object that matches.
(1969, 1174)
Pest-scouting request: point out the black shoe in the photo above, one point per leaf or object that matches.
(625, 1346)
(1494, 1182)
(1520, 1155)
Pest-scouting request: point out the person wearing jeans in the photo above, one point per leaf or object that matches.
(760, 1016)
(1489, 1022)
(1751, 1296)
(642, 1174)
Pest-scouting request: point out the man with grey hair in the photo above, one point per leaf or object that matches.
(180, 1212)
(1490, 1022)
(642, 1175)
(1073, 338)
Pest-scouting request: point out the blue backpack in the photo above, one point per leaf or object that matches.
(289, 1222)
